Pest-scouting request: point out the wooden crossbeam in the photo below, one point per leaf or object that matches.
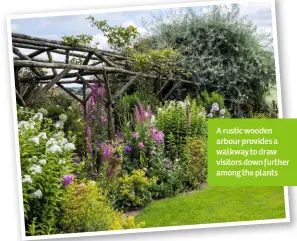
(162, 88)
(70, 93)
(51, 44)
(172, 89)
(98, 77)
(106, 63)
(105, 60)
(125, 87)
(56, 79)
(84, 80)
(52, 83)
(51, 60)
(25, 57)
(86, 61)
(98, 69)
(36, 53)
(96, 63)
(53, 50)
(41, 60)
(29, 90)
(27, 37)
(88, 58)
(20, 99)
(50, 77)
(65, 82)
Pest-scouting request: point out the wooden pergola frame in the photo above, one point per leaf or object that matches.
(103, 66)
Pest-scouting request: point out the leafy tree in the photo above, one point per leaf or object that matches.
(119, 38)
(221, 51)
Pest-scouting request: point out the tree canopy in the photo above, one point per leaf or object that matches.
(220, 51)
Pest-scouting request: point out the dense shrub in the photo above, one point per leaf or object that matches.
(57, 105)
(207, 100)
(86, 209)
(264, 115)
(194, 162)
(169, 181)
(179, 120)
(144, 145)
(46, 156)
(221, 51)
(134, 189)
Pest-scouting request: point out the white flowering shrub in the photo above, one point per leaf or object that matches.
(216, 112)
(46, 156)
(213, 104)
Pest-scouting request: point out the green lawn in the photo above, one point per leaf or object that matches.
(216, 205)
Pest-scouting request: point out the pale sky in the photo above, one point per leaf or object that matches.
(58, 26)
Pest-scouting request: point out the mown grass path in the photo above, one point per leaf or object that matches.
(216, 205)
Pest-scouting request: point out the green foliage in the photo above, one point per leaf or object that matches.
(221, 51)
(213, 104)
(57, 104)
(125, 110)
(179, 120)
(46, 155)
(264, 115)
(164, 61)
(86, 209)
(82, 39)
(207, 100)
(135, 189)
(169, 183)
(119, 38)
(194, 162)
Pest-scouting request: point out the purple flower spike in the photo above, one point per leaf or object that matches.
(136, 135)
(67, 180)
(128, 149)
(76, 160)
(107, 150)
(158, 136)
(103, 121)
(141, 145)
(109, 172)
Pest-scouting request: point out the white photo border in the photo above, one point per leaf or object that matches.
(125, 9)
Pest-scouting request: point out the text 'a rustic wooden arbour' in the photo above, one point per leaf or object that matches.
(94, 66)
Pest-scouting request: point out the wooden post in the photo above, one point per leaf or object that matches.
(67, 56)
(24, 57)
(110, 123)
(51, 60)
(125, 87)
(17, 80)
(85, 101)
(54, 81)
(172, 89)
(158, 86)
(20, 99)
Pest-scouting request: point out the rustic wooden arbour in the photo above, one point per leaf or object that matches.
(102, 66)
